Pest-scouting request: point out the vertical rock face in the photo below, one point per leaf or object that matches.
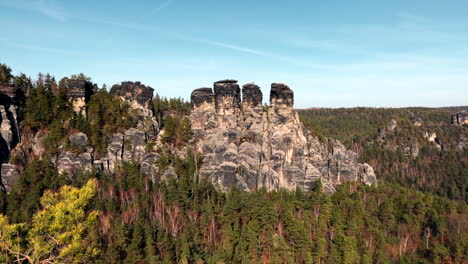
(9, 176)
(10, 98)
(205, 116)
(281, 95)
(140, 98)
(460, 118)
(245, 146)
(79, 92)
(124, 147)
(137, 94)
(78, 140)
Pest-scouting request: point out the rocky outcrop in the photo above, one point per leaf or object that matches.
(9, 175)
(69, 162)
(137, 94)
(246, 146)
(140, 99)
(432, 137)
(10, 134)
(367, 174)
(129, 146)
(460, 118)
(78, 158)
(417, 121)
(78, 140)
(79, 92)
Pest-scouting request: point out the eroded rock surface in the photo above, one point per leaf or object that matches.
(79, 92)
(70, 163)
(140, 99)
(460, 118)
(246, 146)
(10, 134)
(9, 175)
(78, 140)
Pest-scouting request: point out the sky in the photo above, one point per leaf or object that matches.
(331, 53)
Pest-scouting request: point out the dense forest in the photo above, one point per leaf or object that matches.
(412, 216)
(439, 166)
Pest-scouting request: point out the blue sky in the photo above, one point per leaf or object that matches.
(331, 53)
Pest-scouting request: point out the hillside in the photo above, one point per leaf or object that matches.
(414, 147)
(97, 175)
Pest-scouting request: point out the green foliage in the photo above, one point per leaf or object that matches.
(177, 130)
(25, 195)
(441, 171)
(5, 74)
(62, 232)
(172, 106)
(192, 221)
(39, 108)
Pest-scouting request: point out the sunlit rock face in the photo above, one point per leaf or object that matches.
(460, 118)
(251, 147)
(78, 93)
(140, 99)
(10, 135)
(131, 145)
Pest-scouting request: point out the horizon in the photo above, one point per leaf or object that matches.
(332, 55)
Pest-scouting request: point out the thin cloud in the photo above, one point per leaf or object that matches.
(49, 8)
(186, 37)
(39, 48)
(157, 9)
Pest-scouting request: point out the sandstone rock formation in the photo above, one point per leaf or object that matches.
(417, 121)
(10, 135)
(70, 163)
(9, 175)
(246, 146)
(79, 93)
(460, 118)
(124, 147)
(78, 140)
(140, 98)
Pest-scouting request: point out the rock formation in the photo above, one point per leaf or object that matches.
(140, 98)
(243, 142)
(78, 140)
(10, 98)
(70, 162)
(460, 118)
(123, 147)
(250, 147)
(79, 92)
(79, 159)
(9, 176)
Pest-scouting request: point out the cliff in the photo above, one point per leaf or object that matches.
(243, 143)
(10, 101)
(246, 145)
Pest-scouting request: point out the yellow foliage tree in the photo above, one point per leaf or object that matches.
(63, 232)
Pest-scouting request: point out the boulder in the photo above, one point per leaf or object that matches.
(78, 140)
(391, 126)
(367, 174)
(9, 176)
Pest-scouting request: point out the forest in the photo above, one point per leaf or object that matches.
(439, 167)
(416, 214)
